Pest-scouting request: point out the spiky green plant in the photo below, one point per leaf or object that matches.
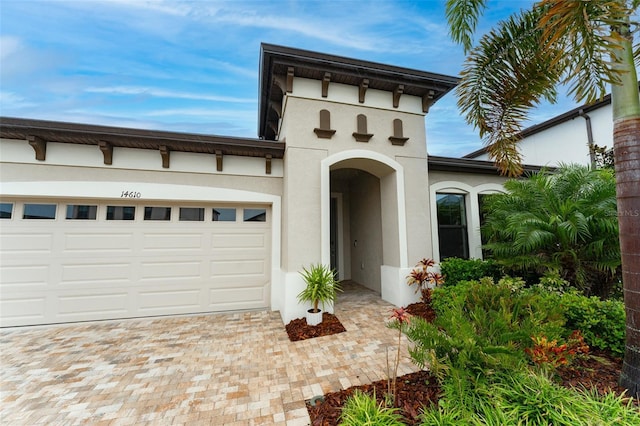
(363, 410)
(564, 222)
(586, 45)
(322, 286)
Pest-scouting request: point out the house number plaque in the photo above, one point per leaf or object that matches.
(130, 194)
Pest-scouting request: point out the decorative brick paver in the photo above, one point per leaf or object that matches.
(220, 369)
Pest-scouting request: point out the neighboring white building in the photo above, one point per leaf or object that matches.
(565, 138)
(103, 223)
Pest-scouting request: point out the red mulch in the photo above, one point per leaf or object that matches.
(416, 390)
(599, 370)
(298, 329)
(423, 310)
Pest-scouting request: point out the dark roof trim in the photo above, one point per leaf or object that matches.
(569, 115)
(274, 60)
(464, 165)
(86, 134)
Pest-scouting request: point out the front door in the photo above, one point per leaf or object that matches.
(333, 239)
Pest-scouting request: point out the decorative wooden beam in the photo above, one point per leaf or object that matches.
(39, 146)
(107, 152)
(268, 164)
(397, 92)
(325, 84)
(273, 127)
(427, 100)
(277, 107)
(289, 79)
(164, 152)
(364, 85)
(219, 160)
(280, 83)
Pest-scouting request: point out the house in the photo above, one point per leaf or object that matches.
(566, 138)
(105, 223)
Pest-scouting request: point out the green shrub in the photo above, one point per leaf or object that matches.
(476, 347)
(455, 270)
(532, 399)
(482, 327)
(563, 221)
(602, 322)
(525, 398)
(363, 410)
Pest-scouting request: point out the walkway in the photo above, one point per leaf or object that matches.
(220, 369)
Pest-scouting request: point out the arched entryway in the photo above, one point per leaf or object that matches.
(363, 219)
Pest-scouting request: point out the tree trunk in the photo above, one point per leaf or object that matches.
(625, 102)
(627, 159)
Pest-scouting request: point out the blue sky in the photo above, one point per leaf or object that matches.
(192, 66)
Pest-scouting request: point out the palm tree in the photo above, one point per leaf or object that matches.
(588, 46)
(563, 222)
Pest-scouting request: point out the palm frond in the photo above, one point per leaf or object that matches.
(580, 33)
(462, 16)
(502, 80)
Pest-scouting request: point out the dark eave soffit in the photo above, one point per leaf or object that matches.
(465, 165)
(52, 131)
(276, 61)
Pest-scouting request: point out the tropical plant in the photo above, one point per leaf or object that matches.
(424, 278)
(400, 320)
(482, 328)
(322, 286)
(564, 222)
(587, 45)
(363, 410)
(526, 398)
(549, 354)
(602, 322)
(454, 270)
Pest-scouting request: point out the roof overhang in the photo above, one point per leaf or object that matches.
(554, 121)
(279, 65)
(465, 165)
(84, 134)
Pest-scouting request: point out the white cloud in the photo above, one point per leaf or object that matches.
(162, 93)
(245, 115)
(9, 46)
(11, 100)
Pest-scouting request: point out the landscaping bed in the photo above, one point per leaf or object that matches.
(598, 370)
(298, 329)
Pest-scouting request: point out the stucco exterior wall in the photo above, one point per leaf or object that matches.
(374, 209)
(90, 157)
(566, 142)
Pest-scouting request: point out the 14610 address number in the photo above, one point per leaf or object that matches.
(130, 194)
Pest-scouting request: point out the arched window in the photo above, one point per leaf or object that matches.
(452, 225)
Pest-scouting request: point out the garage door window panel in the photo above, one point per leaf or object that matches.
(121, 212)
(39, 211)
(6, 210)
(81, 212)
(191, 214)
(255, 215)
(224, 214)
(157, 213)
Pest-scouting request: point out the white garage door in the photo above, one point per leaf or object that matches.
(81, 260)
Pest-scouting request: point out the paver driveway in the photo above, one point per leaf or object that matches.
(222, 369)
